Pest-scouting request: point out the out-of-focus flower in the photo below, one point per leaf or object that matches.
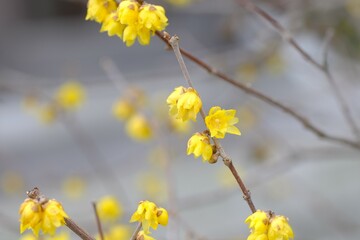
(221, 121)
(119, 232)
(98, 10)
(178, 125)
(180, 3)
(70, 95)
(59, 236)
(138, 128)
(123, 109)
(199, 145)
(152, 185)
(109, 208)
(47, 113)
(74, 187)
(150, 216)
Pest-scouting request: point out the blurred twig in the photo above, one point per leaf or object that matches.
(324, 68)
(98, 222)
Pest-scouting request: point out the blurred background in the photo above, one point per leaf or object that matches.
(80, 156)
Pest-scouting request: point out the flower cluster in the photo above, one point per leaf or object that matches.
(128, 108)
(267, 226)
(150, 216)
(130, 20)
(39, 213)
(68, 97)
(199, 145)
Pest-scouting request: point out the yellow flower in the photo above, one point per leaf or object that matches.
(30, 216)
(74, 187)
(220, 122)
(70, 95)
(258, 221)
(280, 229)
(138, 128)
(60, 236)
(142, 236)
(47, 113)
(98, 10)
(53, 216)
(150, 216)
(119, 232)
(199, 144)
(112, 25)
(38, 216)
(184, 103)
(128, 12)
(123, 109)
(152, 185)
(153, 17)
(28, 236)
(258, 236)
(178, 125)
(109, 209)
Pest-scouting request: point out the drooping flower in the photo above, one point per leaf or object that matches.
(220, 121)
(258, 221)
(38, 213)
(143, 236)
(70, 95)
(152, 17)
(199, 145)
(98, 10)
(112, 25)
(123, 109)
(138, 128)
(150, 216)
(184, 103)
(128, 12)
(109, 208)
(280, 229)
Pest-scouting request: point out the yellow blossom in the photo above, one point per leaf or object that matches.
(150, 216)
(221, 121)
(184, 103)
(258, 236)
(112, 25)
(38, 214)
(53, 216)
(138, 128)
(74, 187)
(60, 236)
(280, 229)
(153, 17)
(47, 113)
(98, 10)
(128, 12)
(123, 109)
(178, 125)
(70, 95)
(119, 232)
(258, 221)
(152, 185)
(109, 209)
(142, 236)
(30, 216)
(199, 144)
(29, 236)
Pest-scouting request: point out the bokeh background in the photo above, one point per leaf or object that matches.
(87, 155)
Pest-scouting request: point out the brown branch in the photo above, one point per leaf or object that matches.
(174, 42)
(77, 230)
(137, 230)
(305, 122)
(251, 7)
(98, 222)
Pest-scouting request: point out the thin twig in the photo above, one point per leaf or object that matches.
(98, 222)
(251, 7)
(305, 122)
(77, 230)
(137, 230)
(174, 42)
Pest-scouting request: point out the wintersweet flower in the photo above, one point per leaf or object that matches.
(123, 109)
(199, 145)
(280, 229)
(258, 221)
(53, 216)
(184, 103)
(98, 10)
(153, 17)
(138, 128)
(221, 121)
(70, 95)
(128, 12)
(38, 213)
(109, 208)
(268, 226)
(112, 25)
(150, 216)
